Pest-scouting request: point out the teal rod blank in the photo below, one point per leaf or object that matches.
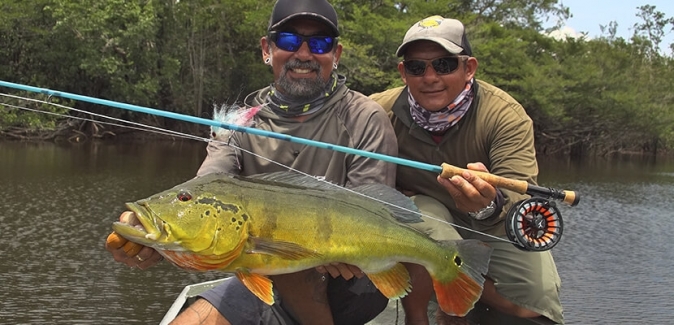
(233, 127)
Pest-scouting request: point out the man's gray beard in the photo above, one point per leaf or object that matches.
(301, 88)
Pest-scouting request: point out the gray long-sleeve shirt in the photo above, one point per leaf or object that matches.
(348, 119)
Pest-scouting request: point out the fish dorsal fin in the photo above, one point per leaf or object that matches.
(401, 206)
(296, 179)
(393, 283)
(286, 250)
(258, 284)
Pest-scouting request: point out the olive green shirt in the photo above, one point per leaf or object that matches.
(495, 130)
(347, 119)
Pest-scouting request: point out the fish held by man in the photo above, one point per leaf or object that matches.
(284, 222)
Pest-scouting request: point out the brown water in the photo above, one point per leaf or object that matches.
(58, 202)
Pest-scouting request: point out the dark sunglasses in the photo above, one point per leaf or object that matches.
(444, 65)
(291, 42)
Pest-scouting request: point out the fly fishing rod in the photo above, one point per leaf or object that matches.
(533, 230)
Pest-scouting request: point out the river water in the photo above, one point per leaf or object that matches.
(57, 203)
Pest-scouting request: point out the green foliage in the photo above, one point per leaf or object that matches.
(371, 33)
(601, 95)
(113, 46)
(24, 110)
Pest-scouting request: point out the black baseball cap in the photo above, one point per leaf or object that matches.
(320, 10)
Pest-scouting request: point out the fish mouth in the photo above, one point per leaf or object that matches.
(140, 227)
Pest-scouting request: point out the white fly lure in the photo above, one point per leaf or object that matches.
(232, 115)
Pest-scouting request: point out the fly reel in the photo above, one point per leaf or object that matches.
(534, 224)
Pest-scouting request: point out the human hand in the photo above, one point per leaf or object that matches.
(130, 253)
(470, 193)
(347, 271)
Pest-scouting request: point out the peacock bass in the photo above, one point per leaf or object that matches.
(284, 222)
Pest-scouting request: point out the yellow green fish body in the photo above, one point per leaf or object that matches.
(282, 223)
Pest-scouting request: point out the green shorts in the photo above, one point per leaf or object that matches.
(528, 279)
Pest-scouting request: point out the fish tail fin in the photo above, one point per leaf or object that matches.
(459, 286)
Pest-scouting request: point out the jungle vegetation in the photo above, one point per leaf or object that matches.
(587, 96)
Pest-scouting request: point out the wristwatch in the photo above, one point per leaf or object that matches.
(484, 213)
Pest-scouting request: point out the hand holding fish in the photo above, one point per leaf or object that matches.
(470, 192)
(347, 271)
(130, 253)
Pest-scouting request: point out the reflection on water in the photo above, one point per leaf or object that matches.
(58, 203)
(57, 207)
(616, 256)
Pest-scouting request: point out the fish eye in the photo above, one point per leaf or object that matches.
(184, 196)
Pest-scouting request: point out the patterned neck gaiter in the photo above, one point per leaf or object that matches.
(287, 107)
(445, 118)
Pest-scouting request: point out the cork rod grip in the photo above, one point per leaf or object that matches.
(522, 187)
(509, 184)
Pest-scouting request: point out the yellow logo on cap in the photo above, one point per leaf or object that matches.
(430, 22)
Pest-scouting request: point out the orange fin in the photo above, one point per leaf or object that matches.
(258, 284)
(286, 250)
(393, 283)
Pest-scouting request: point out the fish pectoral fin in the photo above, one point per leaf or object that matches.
(258, 284)
(282, 249)
(393, 283)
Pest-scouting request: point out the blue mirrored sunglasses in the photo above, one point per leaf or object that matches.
(291, 42)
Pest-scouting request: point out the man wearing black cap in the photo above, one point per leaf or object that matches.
(444, 114)
(307, 99)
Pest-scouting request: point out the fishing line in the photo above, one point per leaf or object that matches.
(84, 119)
(158, 130)
(145, 127)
